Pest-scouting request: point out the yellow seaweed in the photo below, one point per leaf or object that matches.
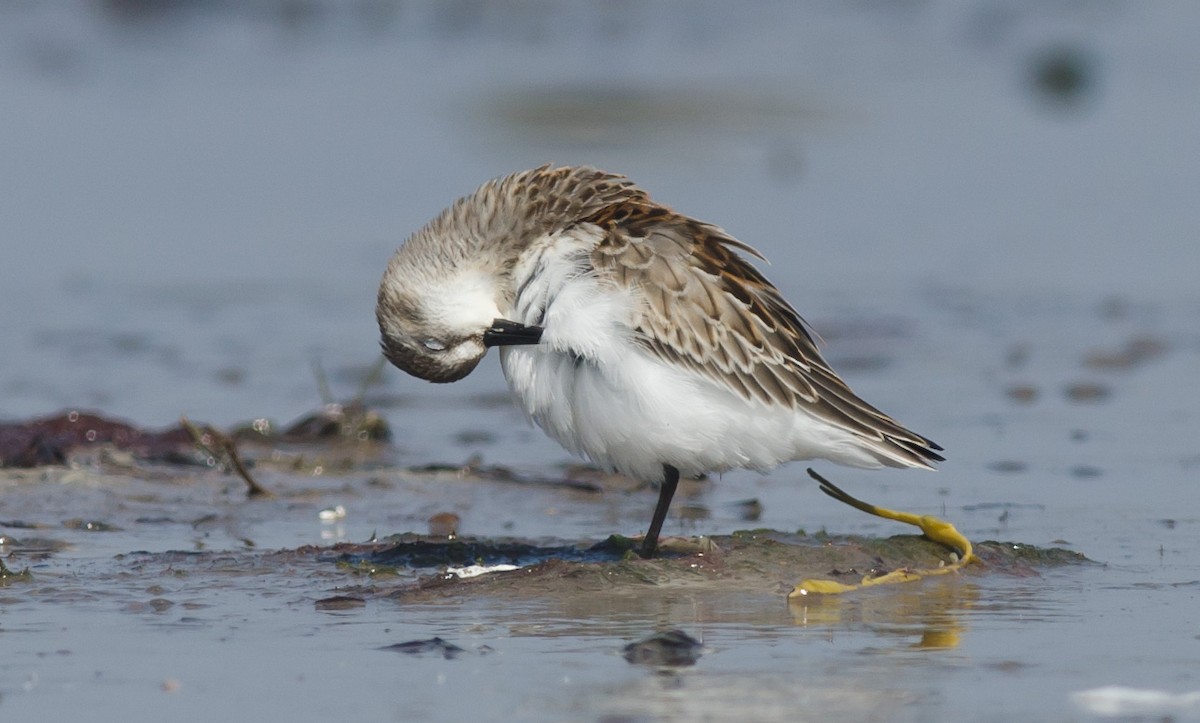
(934, 528)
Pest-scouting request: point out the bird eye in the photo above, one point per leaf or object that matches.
(433, 344)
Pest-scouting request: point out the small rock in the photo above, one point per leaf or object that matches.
(672, 648)
(433, 645)
(444, 524)
(340, 602)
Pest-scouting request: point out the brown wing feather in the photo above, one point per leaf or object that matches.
(709, 310)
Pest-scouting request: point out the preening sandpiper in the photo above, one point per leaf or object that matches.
(635, 336)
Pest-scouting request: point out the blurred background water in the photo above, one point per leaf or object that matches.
(987, 209)
(199, 197)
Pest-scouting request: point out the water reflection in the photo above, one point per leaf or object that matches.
(928, 615)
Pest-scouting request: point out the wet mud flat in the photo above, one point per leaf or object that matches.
(109, 555)
(144, 569)
(127, 486)
(164, 529)
(145, 572)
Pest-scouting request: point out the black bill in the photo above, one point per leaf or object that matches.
(510, 333)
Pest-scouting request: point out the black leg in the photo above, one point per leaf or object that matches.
(665, 493)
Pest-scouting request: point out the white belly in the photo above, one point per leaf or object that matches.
(639, 415)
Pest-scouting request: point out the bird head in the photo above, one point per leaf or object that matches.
(444, 295)
(432, 321)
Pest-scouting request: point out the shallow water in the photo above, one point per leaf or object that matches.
(986, 209)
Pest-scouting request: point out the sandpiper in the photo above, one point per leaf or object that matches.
(635, 336)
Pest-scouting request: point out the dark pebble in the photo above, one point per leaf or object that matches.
(433, 645)
(673, 648)
(340, 602)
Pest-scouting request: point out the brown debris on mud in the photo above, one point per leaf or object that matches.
(54, 439)
(51, 440)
